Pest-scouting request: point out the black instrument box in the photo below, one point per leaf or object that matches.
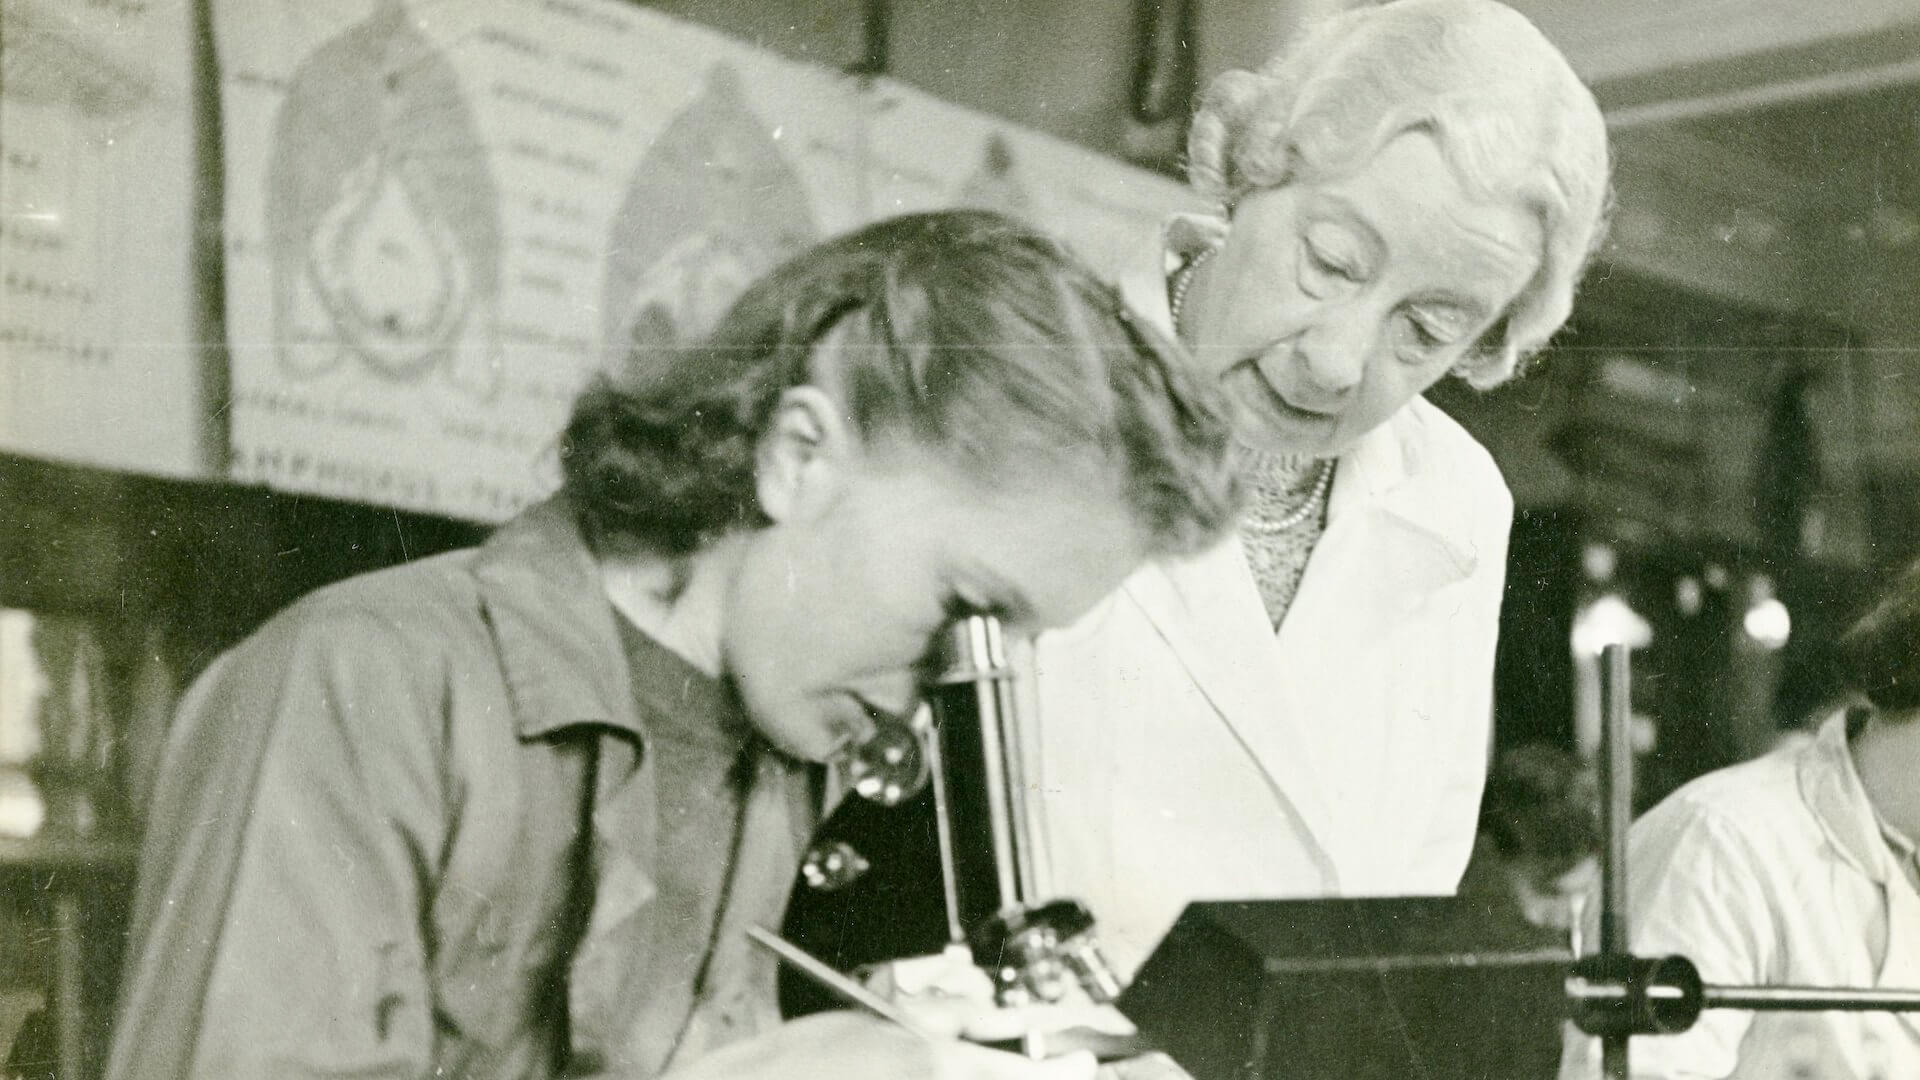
(1396, 989)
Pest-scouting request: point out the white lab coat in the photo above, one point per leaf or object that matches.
(1181, 750)
(1774, 873)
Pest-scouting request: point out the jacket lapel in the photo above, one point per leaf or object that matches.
(561, 651)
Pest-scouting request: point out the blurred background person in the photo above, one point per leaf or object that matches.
(1539, 839)
(1796, 869)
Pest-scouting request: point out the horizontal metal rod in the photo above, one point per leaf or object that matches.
(1811, 999)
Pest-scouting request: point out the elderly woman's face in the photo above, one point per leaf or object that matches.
(1333, 303)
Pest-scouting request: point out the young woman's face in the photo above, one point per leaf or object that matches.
(1333, 303)
(835, 606)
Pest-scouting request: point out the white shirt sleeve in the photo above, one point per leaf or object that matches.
(1695, 891)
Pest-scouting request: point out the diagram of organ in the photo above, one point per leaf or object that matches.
(383, 214)
(711, 206)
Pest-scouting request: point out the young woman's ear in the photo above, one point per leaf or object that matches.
(803, 454)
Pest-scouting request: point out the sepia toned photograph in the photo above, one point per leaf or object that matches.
(960, 539)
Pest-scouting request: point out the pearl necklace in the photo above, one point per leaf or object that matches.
(1322, 484)
(1255, 523)
(1182, 278)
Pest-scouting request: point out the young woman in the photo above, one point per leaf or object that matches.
(506, 813)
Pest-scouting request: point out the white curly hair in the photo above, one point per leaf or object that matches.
(1510, 115)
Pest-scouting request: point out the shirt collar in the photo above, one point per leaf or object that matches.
(1831, 788)
(552, 625)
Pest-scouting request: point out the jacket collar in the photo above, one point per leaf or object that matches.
(553, 625)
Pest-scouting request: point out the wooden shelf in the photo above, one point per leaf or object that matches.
(46, 852)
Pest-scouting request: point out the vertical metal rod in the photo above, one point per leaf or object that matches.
(876, 41)
(866, 103)
(943, 829)
(876, 32)
(1616, 780)
(990, 673)
(1024, 843)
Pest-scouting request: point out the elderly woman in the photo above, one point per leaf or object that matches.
(1406, 192)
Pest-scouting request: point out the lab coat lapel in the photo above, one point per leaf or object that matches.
(1210, 616)
(1390, 541)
